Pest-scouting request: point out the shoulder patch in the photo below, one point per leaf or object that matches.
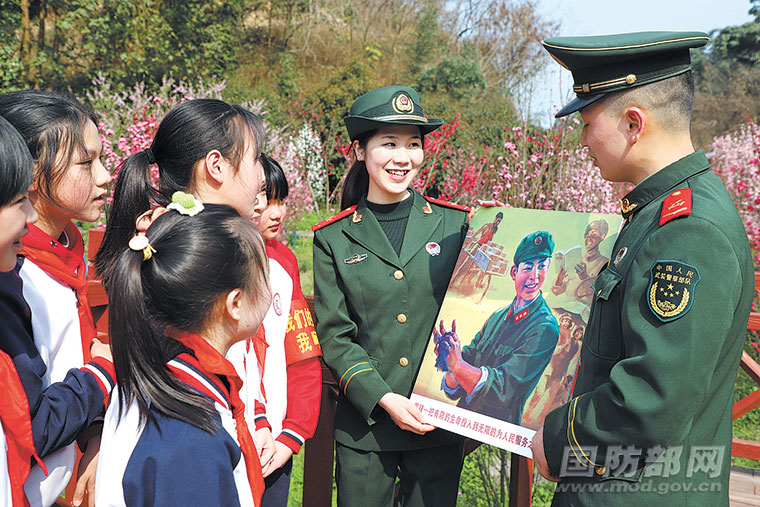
(447, 204)
(334, 218)
(671, 289)
(675, 205)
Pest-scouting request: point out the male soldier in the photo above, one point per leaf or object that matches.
(650, 417)
(495, 374)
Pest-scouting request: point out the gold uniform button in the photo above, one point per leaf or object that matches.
(600, 470)
(401, 318)
(403, 361)
(398, 274)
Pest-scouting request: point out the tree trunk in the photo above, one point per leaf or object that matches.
(26, 40)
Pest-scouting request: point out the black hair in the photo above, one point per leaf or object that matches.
(185, 135)
(277, 184)
(670, 100)
(175, 287)
(16, 165)
(52, 125)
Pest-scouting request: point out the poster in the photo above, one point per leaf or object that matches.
(506, 343)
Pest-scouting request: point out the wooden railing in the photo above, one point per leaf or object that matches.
(319, 450)
(748, 448)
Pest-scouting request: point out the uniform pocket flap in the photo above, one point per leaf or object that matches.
(605, 283)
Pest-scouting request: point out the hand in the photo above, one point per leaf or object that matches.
(539, 458)
(282, 454)
(580, 268)
(88, 465)
(100, 349)
(265, 446)
(455, 349)
(404, 413)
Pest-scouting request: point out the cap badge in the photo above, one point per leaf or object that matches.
(433, 248)
(537, 240)
(402, 104)
(426, 209)
(356, 218)
(355, 258)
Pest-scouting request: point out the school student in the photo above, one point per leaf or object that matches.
(211, 149)
(50, 335)
(16, 213)
(175, 431)
(292, 373)
(381, 269)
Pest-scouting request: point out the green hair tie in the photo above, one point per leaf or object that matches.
(185, 204)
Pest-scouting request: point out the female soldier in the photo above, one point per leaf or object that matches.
(381, 269)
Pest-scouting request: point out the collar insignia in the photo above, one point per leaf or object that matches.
(626, 206)
(356, 218)
(426, 209)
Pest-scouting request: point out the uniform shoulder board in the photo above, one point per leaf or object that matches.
(447, 204)
(675, 205)
(334, 218)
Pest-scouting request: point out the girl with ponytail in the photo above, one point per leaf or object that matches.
(206, 147)
(175, 432)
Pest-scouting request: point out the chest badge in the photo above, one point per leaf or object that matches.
(277, 304)
(619, 257)
(433, 248)
(671, 289)
(355, 258)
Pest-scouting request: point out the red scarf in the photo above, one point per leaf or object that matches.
(17, 426)
(214, 363)
(66, 265)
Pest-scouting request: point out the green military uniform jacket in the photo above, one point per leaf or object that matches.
(660, 352)
(375, 312)
(513, 348)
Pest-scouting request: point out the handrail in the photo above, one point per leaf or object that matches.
(747, 448)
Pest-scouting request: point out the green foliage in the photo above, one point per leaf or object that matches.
(457, 77)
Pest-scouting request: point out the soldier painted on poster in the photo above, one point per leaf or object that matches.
(506, 345)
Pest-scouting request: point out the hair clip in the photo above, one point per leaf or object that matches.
(139, 242)
(185, 204)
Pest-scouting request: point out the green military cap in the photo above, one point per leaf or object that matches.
(389, 105)
(602, 64)
(535, 244)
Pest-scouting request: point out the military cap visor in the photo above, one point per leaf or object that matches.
(607, 63)
(389, 105)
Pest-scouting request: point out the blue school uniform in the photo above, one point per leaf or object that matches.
(172, 462)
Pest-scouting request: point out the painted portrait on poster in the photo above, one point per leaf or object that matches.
(507, 340)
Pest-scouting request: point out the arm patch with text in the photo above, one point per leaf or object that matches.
(671, 289)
